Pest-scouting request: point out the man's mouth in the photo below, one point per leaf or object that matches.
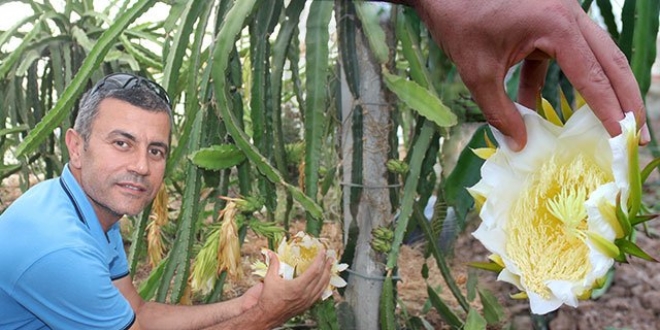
(133, 187)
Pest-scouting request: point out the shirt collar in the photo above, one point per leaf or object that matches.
(81, 202)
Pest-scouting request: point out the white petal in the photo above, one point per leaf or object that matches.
(326, 294)
(337, 282)
(493, 239)
(564, 291)
(595, 219)
(281, 249)
(541, 138)
(286, 271)
(619, 147)
(541, 306)
(342, 267)
(506, 276)
(600, 264)
(584, 134)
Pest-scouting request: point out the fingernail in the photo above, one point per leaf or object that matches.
(645, 136)
(512, 144)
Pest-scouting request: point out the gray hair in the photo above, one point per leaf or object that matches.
(139, 96)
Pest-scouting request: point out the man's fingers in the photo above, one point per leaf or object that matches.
(616, 68)
(500, 112)
(583, 69)
(532, 77)
(274, 265)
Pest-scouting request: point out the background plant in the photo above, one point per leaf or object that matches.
(297, 104)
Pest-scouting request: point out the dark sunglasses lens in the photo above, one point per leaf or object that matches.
(160, 91)
(125, 80)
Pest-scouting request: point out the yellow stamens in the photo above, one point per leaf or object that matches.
(548, 223)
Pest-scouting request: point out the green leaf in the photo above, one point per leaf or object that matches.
(218, 157)
(489, 266)
(642, 218)
(649, 168)
(149, 287)
(445, 312)
(16, 129)
(407, 32)
(628, 247)
(140, 55)
(13, 30)
(440, 259)
(627, 28)
(644, 52)
(606, 284)
(386, 306)
(493, 311)
(190, 14)
(325, 315)
(177, 270)
(605, 7)
(370, 17)
(28, 58)
(420, 99)
(475, 321)
(471, 284)
(10, 60)
(316, 41)
(466, 173)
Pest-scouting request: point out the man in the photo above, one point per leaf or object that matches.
(62, 257)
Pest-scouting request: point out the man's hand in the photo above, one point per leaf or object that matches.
(279, 299)
(486, 38)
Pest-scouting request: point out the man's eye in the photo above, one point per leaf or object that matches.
(121, 144)
(157, 152)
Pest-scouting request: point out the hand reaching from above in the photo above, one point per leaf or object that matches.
(486, 38)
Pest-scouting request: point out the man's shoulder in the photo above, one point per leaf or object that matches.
(38, 222)
(44, 200)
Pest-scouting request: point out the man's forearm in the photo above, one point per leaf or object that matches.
(164, 316)
(252, 319)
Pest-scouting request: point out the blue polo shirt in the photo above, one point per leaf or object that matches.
(57, 264)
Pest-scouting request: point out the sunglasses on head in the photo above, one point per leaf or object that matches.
(127, 80)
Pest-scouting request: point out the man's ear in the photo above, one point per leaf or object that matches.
(75, 144)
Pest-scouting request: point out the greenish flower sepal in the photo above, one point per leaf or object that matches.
(623, 217)
(628, 247)
(649, 168)
(635, 177)
(604, 246)
(642, 218)
(489, 266)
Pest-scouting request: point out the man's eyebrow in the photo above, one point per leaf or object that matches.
(132, 137)
(124, 134)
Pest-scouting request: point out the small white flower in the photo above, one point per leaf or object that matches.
(297, 255)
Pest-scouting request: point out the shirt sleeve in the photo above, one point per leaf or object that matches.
(71, 288)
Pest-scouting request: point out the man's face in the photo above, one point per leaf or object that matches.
(122, 165)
